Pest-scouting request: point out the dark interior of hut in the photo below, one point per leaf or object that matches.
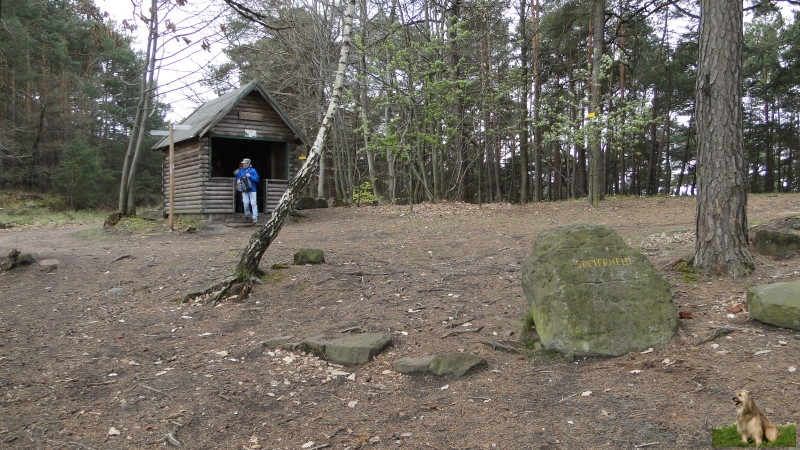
(268, 157)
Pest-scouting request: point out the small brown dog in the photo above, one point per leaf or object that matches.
(752, 423)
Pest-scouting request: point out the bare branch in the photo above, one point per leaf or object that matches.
(254, 16)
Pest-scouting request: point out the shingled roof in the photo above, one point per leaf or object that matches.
(203, 119)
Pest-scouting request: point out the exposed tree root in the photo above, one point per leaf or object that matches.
(112, 220)
(171, 438)
(231, 287)
(14, 259)
(502, 347)
(718, 331)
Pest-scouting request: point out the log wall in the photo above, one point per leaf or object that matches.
(191, 161)
(274, 190)
(253, 113)
(196, 192)
(220, 196)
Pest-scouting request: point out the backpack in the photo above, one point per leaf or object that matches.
(247, 186)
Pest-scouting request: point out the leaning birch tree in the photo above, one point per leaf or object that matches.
(241, 282)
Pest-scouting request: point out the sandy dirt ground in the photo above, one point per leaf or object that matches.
(96, 353)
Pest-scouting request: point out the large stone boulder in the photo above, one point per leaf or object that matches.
(779, 238)
(590, 294)
(311, 203)
(776, 304)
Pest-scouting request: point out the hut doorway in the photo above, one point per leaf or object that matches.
(270, 159)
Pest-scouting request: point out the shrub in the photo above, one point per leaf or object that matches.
(363, 194)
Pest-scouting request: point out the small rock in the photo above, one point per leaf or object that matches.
(736, 308)
(309, 256)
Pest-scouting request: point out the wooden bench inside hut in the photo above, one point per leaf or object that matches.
(213, 140)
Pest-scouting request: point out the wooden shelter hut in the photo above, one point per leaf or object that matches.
(243, 123)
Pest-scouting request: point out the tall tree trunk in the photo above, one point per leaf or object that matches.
(556, 188)
(458, 142)
(667, 140)
(536, 10)
(596, 164)
(721, 242)
(363, 96)
(496, 164)
(654, 159)
(524, 163)
(769, 151)
(685, 160)
(127, 202)
(665, 145)
(325, 156)
(389, 82)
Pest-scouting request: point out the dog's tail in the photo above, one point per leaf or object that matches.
(771, 432)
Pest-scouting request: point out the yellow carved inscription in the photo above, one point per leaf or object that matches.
(602, 262)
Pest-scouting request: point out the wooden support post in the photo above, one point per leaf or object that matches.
(171, 178)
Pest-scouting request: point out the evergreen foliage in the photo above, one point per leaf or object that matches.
(67, 76)
(444, 100)
(77, 176)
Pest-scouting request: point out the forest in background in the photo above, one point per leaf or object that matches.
(466, 100)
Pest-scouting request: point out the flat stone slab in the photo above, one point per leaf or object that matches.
(412, 366)
(454, 363)
(315, 345)
(276, 342)
(776, 243)
(356, 349)
(776, 304)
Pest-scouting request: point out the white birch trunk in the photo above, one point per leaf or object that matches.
(261, 239)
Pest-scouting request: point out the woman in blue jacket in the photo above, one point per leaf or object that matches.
(246, 182)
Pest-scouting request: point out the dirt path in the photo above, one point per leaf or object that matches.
(94, 353)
